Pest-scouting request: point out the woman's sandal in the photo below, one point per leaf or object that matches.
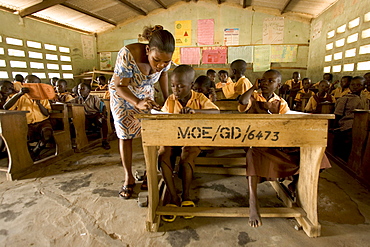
(126, 191)
(189, 204)
(169, 218)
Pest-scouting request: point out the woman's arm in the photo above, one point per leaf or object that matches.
(123, 91)
(163, 83)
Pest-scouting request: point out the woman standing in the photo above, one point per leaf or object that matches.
(138, 67)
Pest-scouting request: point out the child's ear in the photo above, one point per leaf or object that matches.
(147, 49)
(278, 85)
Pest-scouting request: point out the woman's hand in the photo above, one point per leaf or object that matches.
(187, 110)
(148, 104)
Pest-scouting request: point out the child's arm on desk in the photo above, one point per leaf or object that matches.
(188, 110)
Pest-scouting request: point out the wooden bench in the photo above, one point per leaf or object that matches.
(13, 130)
(100, 94)
(309, 132)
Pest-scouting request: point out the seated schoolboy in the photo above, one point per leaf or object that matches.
(6, 89)
(102, 84)
(39, 126)
(62, 95)
(366, 91)
(18, 82)
(241, 85)
(344, 116)
(326, 76)
(183, 101)
(264, 162)
(321, 96)
(344, 87)
(203, 85)
(304, 93)
(293, 85)
(223, 76)
(95, 111)
(212, 76)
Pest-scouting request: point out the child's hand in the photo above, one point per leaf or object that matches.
(187, 110)
(257, 84)
(24, 90)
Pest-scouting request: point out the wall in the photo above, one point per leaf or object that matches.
(340, 13)
(250, 23)
(28, 29)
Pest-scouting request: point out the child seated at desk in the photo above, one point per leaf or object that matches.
(304, 93)
(223, 76)
(6, 89)
(61, 92)
(102, 84)
(267, 163)
(293, 85)
(344, 116)
(203, 85)
(39, 126)
(183, 101)
(95, 111)
(321, 96)
(211, 73)
(343, 89)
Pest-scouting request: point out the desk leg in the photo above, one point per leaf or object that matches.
(307, 188)
(150, 154)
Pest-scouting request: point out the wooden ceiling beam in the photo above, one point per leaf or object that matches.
(162, 4)
(137, 9)
(70, 6)
(40, 6)
(247, 3)
(285, 7)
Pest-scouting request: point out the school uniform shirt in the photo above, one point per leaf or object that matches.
(365, 93)
(302, 94)
(63, 97)
(222, 84)
(24, 103)
(344, 107)
(281, 104)
(312, 103)
(338, 92)
(106, 95)
(92, 104)
(291, 81)
(17, 86)
(198, 101)
(233, 90)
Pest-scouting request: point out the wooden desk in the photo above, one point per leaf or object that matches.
(240, 130)
(100, 94)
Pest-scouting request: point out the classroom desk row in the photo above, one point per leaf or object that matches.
(13, 130)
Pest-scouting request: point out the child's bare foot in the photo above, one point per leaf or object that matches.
(254, 216)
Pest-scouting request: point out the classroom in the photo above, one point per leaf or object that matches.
(123, 123)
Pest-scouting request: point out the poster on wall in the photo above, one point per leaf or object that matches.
(190, 55)
(87, 47)
(284, 53)
(231, 36)
(316, 30)
(214, 55)
(206, 31)
(106, 61)
(130, 41)
(183, 33)
(273, 30)
(176, 56)
(261, 59)
(240, 52)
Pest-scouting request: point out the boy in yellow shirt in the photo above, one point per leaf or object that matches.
(62, 95)
(242, 84)
(184, 101)
(344, 87)
(39, 126)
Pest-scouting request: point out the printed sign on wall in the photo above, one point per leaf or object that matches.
(183, 33)
(273, 30)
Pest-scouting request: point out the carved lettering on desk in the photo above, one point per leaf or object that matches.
(226, 132)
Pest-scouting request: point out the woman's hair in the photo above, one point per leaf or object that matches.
(159, 38)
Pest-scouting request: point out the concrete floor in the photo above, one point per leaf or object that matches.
(75, 203)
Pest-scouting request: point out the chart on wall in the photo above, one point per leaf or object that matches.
(105, 60)
(273, 30)
(214, 55)
(284, 53)
(176, 56)
(87, 47)
(231, 36)
(190, 55)
(183, 33)
(240, 52)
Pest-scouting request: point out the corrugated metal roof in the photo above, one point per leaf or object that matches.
(98, 16)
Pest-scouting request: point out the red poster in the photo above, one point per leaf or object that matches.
(214, 55)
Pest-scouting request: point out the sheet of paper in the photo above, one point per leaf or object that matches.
(152, 111)
(190, 55)
(231, 36)
(206, 31)
(87, 47)
(183, 33)
(273, 30)
(105, 60)
(261, 60)
(284, 53)
(240, 52)
(214, 55)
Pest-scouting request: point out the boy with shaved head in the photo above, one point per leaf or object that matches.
(241, 85)
(183, 101)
